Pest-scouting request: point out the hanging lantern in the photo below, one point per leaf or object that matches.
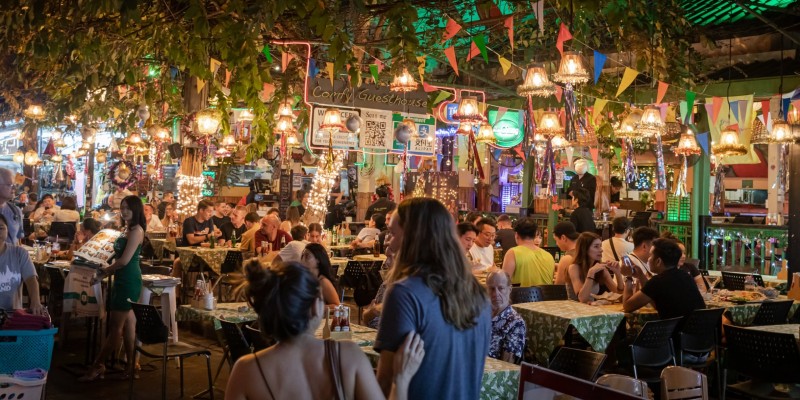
(650, 123)
(559, 142)
(211, 161)
(468, 111)
(246, 115)
(781, 132)
(286, 108)
(550, 125)
(134, 139)
(158, 133)
(57, 158)
(485, 134)
(58, 173)
(229, 141)
(34, 112)
(86, 146)
(628, 128)
(537, 83)
(291, 140)
(222, 152)
(101, 156)
(464, 129)
(31, 158)
(208, 121)
(793, 116)
(60, 143)
(729, 144)
(571, 69)
(687, 145)
(332, 120)
(19, 156)
(285, 125)
(56, 134)
(403, 82)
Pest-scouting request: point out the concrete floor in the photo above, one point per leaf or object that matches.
(68, 364)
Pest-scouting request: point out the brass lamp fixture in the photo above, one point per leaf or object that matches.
(403, 82)
(650, 124)
(468, 111)
(19, 156)
(537, 83)
(729, 144)
(464, 129)
(781, 132)
(284, 125)
(571, 69)
(247, 115)
(285, 108)
(559, 142)
(291, 140)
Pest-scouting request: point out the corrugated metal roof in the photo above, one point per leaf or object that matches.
(719, 12)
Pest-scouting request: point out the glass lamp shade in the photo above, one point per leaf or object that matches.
(31, 158)
(464, 129)
(559, 142)
(781, 132)
(207, 121)
(651, 123)
(468, 111)
(285, 125)
(332, 120)
(628, 129)
(229, 141)
(729, 144)
(571, 69)
(485, 134)
(211, 161)
(34, 111)
(247, 115)
(19, 156)
(537, 83)
(687, 145)
(793, 116)
(403, 82)
(550, 125)
(286, 108)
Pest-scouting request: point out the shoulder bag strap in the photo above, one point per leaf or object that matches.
(613, 248)
(332, 353)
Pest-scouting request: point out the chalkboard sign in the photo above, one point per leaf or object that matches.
(285, 190)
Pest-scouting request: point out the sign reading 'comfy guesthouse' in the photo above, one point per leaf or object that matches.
(341, 94)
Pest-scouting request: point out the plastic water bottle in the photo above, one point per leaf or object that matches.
(749, 283)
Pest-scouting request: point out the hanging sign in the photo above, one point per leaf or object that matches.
(508, 129)
(341, 94)
(377, 129)
(426, 126)
(321, 138)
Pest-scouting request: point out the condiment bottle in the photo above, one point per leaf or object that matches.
(335, 327)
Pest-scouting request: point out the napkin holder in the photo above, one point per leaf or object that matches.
(329, 333)
(794, 291)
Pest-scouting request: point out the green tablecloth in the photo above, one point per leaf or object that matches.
(742, 314)
(159, 245)
(213, 258)
(794, 329)
(227, 311)
(548, 321)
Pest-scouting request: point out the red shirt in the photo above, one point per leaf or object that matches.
(276, 244)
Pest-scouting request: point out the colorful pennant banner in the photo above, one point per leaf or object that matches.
(563, 36)
(214, 66)
(450, 53)
(716, 106)
(599, 105)
(509, 24)
(599, 62)
(504, 64)
(451, 30)
(266, 53)
(421, 68)
(373, 69)
(690, 96)
(480, 41)
(662, 91)
(628, 77)
(329, 71)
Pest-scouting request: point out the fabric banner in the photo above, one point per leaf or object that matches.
(286, 58)
(765, 109)
(599, 105)
(200, 85)
(627, 78)
(733, 108)
(214, 66)
(563, 36)
(428, 87)
(329, 71)
(509, 24)
(687, 118)
(441, 97)
(450, 53)
(744, 119)
(473, 51)
(421, 68)
(480, 41)
(702, 141)
(504, 64)
(538, 9)
(451, 29)
(662, 91)
(599, 62)
(559, 93)
(266, 53)
(227, 77)
(716, 103)
(373, 69)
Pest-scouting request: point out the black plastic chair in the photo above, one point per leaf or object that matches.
(765, 357)
(581, 364)
(526, 295)
(232, 263)
(701, 334)
(733, 280)
(364, 278)
(772, 313)
(236, 345)
(653, 348)
(153, 341)
(553, 292)
(65, 231)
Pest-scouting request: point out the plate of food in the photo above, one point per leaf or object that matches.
(741, 296)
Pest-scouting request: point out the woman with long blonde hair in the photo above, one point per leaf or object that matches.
(432, 291)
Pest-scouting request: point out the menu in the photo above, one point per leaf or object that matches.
(100, 248)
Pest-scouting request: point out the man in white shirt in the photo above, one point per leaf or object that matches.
(46, 210)
(482, 251)
(367, 236)
(153, 223)
(294, 249)
(617, 243)
(643, 238)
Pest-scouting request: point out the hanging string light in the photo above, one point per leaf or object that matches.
(324, 179)
(571, 70)
(650, 124)
(537, 83)
(403, 82)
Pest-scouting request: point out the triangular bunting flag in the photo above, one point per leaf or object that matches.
(538, 8)
(559, 93)
(785, 106)
(563, 36)
(662, 90)
(214, 66)
(380, 65)
(267, 91)
(594, 152)
(743, 112)
(266, 53)
(663, 107)
(765, 109)
(227, 77)
(599, 62)
(509, 24)
(451, 30)
(628, 77)
(734, 108)
(473, 51)
(164, 109)
(599, 105)
(428, 87)
(480, 41)
(450, 53)
(421, 68)
(716, 106)
(441, 96)
(329, 71)
(116, 112)
(683, 109)
(795, 104)
(286, 58)
(312, 68)
(702, 141)
(687, 118)
(373, 69)
(709, 109)
(500, 112)
(504, 64)
(200, 85)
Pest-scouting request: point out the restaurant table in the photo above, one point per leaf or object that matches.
(227, 311)
(547, 322)
(769, 280)
(500, 379)
(163, 286)
(369, 257)
(794, 329)
(742, 314)
(214, 258)
(635, 320)
(340, 249)
(340, 263)
(159, 245)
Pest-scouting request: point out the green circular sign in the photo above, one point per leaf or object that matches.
(508, 129)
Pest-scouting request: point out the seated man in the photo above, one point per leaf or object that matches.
(565, 236)
(483, 251)
(527, 264)
(368, 235)
(271, 235)
(508, 328)
(616, 246)
(253, 224)
(236, 227)
(196, 229)
(294, 249)
(642, 243)
(672, 291)
(506, 236)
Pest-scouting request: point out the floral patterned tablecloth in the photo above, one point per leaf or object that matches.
(159, 245)
(213, 258)
(547, 322)
(794, 329)
(227, 311)
(742, 314)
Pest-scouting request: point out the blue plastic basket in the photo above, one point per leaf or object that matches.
(24, 350)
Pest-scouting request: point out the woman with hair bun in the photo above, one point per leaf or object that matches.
(289, 305)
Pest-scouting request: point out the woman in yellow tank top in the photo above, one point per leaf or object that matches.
(528, 264)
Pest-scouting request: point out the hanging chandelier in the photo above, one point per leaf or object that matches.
(729, 144)
(464, 129)
(34, 112)
(468, 111)
(628, 127)
(650, 124)
(31, 158)
(550, 125)
(19, 156)
(485, 134)
(207, 121)
(403, 82)
(687, 145)
(571, 70)
(559, 142)
(536, 83)
(332, 121)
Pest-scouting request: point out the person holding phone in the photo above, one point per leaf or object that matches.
(587, 275)
(47, 210)
(643, 238)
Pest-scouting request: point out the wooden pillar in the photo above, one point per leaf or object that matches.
(794, 211)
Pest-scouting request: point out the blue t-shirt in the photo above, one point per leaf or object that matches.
(454, 359)
(14, 217)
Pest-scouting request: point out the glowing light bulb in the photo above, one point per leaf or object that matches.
(572, 66)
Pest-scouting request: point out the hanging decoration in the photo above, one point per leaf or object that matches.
(332, 120)
(571, 70)
(328, 171)
(468, 111)
(19, 155)
(729, 144)
(661, 172)
(31, 158)
(207, 121)
(630, 162)
(34, 112)
(537, 83)
(687, 146)
(650, 123)
(403, 83)
(121, 174)
(627, 128)
(485, 134)
(718, 202)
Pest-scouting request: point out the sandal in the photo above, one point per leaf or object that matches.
(94, 373)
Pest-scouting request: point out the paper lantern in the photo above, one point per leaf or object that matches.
(537, 83)
(571, 69)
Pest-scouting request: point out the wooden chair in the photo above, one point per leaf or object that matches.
(625, 384)
(678, 383)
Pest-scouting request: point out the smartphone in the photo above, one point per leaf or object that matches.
(626, 266)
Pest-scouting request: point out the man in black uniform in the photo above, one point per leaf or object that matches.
(381, 206)
(584, 180)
